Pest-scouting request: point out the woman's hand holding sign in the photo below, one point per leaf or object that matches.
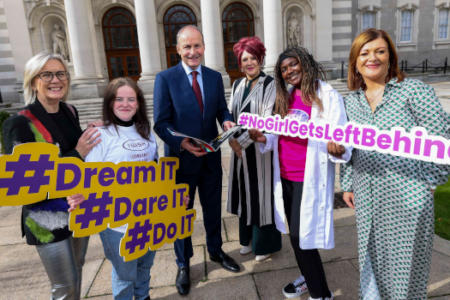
(74, 201)
(186, 200)
(335, 149)
(257, 135)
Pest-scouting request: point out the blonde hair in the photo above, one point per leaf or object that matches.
(32, 68)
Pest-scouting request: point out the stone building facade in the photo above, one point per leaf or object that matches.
(103, 39)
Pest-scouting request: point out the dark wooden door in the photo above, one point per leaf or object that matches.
(176, 17)
(237, 22)
(121, 43)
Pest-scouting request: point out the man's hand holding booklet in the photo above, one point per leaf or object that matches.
(213, 145)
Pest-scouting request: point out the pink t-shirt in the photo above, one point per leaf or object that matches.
(292, 150)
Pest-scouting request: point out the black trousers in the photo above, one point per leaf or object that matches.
(209, 184)
(309, 260)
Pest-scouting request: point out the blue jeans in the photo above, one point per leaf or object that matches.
(128, 278)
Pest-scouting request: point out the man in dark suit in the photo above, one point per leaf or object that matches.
(189, 98)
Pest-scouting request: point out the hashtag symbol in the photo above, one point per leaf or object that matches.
(139, 236)
(243, 119)
(33, 181)
(89, 214)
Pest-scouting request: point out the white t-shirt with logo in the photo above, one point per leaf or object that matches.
(123, 144)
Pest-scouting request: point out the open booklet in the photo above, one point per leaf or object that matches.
(213, 145)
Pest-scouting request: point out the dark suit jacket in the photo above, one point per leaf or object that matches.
(176, 107)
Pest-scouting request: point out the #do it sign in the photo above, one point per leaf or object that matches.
(142, 195)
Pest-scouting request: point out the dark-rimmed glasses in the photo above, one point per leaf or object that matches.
(48, 76)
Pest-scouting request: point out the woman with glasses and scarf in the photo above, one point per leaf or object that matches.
(48, 118)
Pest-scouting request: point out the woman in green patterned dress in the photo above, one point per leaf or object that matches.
(393, 195)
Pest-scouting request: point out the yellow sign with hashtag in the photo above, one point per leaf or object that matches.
(141, 195)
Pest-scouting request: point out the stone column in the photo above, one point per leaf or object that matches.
(85, 83)
(19, 49)
(324, 25)
(148, 43)
(19, 37)
(213, 36)
(273, 38)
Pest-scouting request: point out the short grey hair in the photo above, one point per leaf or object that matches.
(32, 68)
(182, 29)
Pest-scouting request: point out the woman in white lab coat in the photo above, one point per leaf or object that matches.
(304, 168)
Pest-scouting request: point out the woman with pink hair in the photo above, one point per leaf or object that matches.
(250, 193)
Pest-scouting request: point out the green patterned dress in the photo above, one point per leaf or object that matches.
(394, 205)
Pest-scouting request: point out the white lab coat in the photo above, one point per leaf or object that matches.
(316, 212)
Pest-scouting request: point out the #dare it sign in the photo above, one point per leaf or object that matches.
(141, 195)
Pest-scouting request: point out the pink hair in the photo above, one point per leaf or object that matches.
(252, 45)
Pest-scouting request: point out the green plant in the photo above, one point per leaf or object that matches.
(442, 210)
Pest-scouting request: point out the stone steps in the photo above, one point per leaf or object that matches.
(11, 108)
(340, 86)
(91, 109)
(8, 91)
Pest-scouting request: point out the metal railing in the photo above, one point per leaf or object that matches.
(424, 66)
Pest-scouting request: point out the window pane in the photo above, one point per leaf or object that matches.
(171, 39)
(116, 67)
(368, 20)
(406, 26)
(237, 11)
(237, 22)
(179, 13)
(179, 17)
(232, 61)
(443, 23)
(237, 15)
(119, 29)
(121, 37)
(174, 59)
(132, 66)
(107, 40)
(118, 16)
(119, 20)
(176, 17)
(135, 40)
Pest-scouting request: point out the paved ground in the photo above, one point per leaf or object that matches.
(22, 275)
(443, 91)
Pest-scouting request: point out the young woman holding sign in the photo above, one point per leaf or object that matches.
(304, 169)
(126, 136)
(392, 195)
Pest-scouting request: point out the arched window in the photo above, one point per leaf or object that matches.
(121, 43)
(237, 22)
(176, 17)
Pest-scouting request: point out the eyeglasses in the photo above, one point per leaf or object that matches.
(48, 76)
